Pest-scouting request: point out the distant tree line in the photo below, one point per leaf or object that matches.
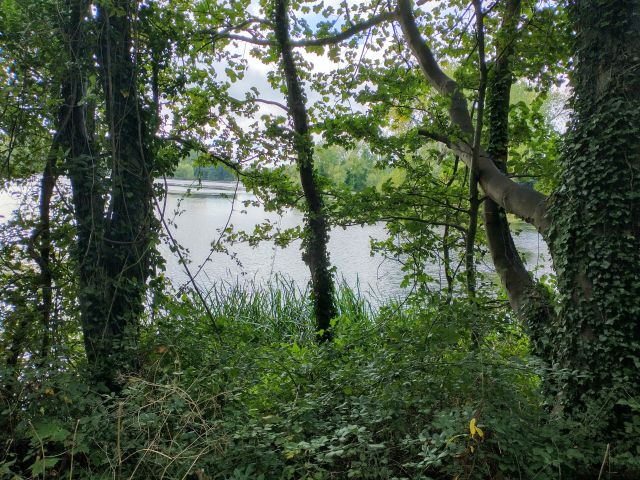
(189, 169)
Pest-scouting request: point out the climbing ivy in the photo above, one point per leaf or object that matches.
(594, 342)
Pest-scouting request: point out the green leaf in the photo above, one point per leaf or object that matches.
(50, 430)
(41, 465)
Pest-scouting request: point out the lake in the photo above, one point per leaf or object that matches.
(207, 210)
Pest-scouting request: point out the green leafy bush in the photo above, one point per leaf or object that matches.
(249, 394)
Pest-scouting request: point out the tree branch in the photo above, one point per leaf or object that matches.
(266, 102)
(195, 145)
(515, 198)
(438, 137)
(315, 42)
(515, 278)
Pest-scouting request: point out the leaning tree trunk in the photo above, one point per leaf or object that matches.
(524, 202)
(595, 236)
(316, 255)
(529, 300)
(512, 272)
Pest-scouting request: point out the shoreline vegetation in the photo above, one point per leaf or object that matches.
(354, 169)
(242, 390)
(399, 393)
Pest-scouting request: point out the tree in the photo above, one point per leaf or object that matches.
(114, 223)
(595, 214)
(591, 221)
(316, 234)
(316, 237)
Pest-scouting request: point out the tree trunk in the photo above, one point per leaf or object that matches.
(76, 138)
(595, 236)
(42, 237)
(316, 238)
(513, 275)
(128, 227)
(112, 244)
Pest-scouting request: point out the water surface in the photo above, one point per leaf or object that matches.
(196, 219)
(207, 210)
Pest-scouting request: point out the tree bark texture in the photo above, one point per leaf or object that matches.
(113, 238)
(129, 223)
(76, 139)
(595, 237)
(315, 255)
(514, 277)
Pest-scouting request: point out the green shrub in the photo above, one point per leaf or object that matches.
(249, 394)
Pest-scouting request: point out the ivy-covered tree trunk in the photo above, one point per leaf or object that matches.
(316, 238)
(113, 237)
(82, 165)
(512, 272)
(594, 343)
(130, 219)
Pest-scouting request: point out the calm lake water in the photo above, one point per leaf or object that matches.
(208, 209)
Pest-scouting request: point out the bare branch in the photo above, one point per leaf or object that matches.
(266, 102)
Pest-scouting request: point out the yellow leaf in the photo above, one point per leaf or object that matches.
(49, 391)
(472, 426)
(290, 455)
(480, 432)
(471, 447)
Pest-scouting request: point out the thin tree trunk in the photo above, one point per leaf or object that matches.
(446, 255)
(470, 240)
(43, 234)
(474, 201)
(316, 255)
(515, 278)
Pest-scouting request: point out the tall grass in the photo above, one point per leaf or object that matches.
(280, 310)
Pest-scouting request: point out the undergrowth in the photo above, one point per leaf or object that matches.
(243, 391)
